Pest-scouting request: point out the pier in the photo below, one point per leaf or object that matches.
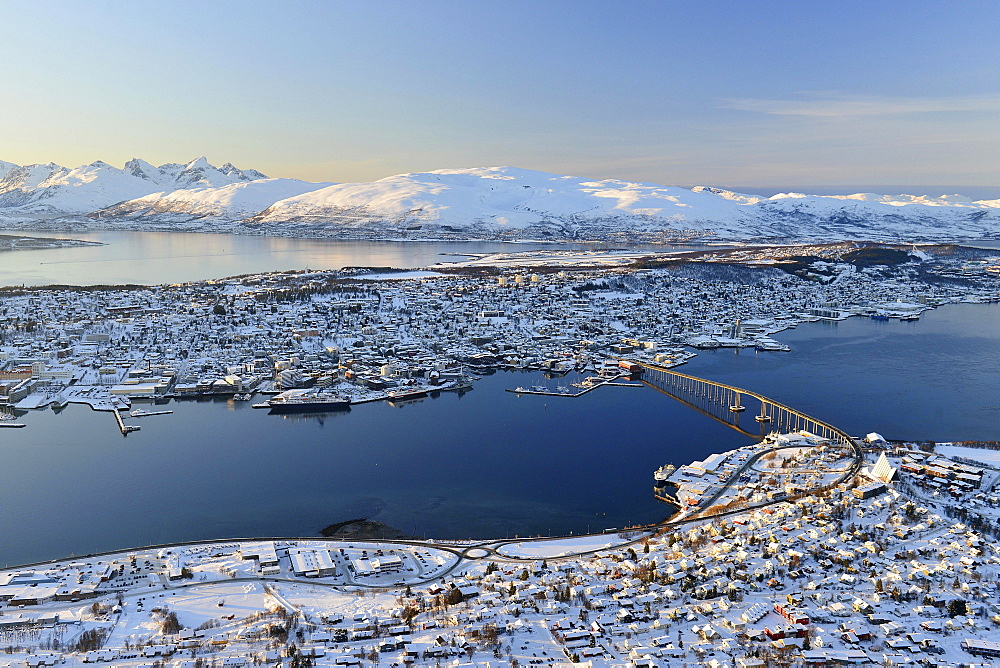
(126, 429)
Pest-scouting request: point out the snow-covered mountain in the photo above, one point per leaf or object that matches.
(506, 202)
(55, 190)
(232, 202)
(479, 203)
(197, 173)
(5, 167)
(497, 201)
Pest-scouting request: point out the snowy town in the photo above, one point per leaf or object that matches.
(494, 334)
(364, 335)
(875, 570)
(800, 550)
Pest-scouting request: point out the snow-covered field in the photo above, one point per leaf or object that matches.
(542, 549)
(991, 457)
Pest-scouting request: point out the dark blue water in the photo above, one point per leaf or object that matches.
(934, 379)
(485, 464)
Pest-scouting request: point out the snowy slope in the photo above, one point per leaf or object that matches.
(501, 200)
(509, 202)
(5, 167)
(52, 189)
(865, 215)
(230, 202)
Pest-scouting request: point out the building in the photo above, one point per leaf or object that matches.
(263, 553)
(367, 567)
(977, 647)
(312, 562)
(869, 490)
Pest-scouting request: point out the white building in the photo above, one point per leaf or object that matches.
(312, 562)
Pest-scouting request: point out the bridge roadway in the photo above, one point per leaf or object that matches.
(466, 551)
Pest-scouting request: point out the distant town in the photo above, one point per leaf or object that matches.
(808, 548)
(361, 335)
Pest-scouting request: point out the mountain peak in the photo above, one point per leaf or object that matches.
(198, 163)
(53, 189)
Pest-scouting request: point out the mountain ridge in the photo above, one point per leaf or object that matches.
(474, 203)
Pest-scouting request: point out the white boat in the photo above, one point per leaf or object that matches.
(771, 344)
(143, 413)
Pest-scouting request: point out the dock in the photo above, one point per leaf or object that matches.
(126, 429)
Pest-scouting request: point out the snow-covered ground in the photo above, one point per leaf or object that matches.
(991, 457)
(561, 547)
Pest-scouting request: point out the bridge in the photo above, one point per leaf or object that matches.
(728, 404)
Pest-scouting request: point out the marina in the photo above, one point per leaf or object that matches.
(125, 429)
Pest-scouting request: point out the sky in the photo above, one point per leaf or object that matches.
(782, 92)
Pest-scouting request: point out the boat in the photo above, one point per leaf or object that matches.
(299, 402)
(402, 395)
(12, 425)
(139, 412)
(766, 344)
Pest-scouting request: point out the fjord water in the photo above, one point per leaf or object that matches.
(934, 379)
(154, 258)
(484, 464)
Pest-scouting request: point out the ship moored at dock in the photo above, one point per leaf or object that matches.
(298, 401)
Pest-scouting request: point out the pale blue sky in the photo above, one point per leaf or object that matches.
(750, 93)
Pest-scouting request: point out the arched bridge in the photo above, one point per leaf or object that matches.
(732, 406)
